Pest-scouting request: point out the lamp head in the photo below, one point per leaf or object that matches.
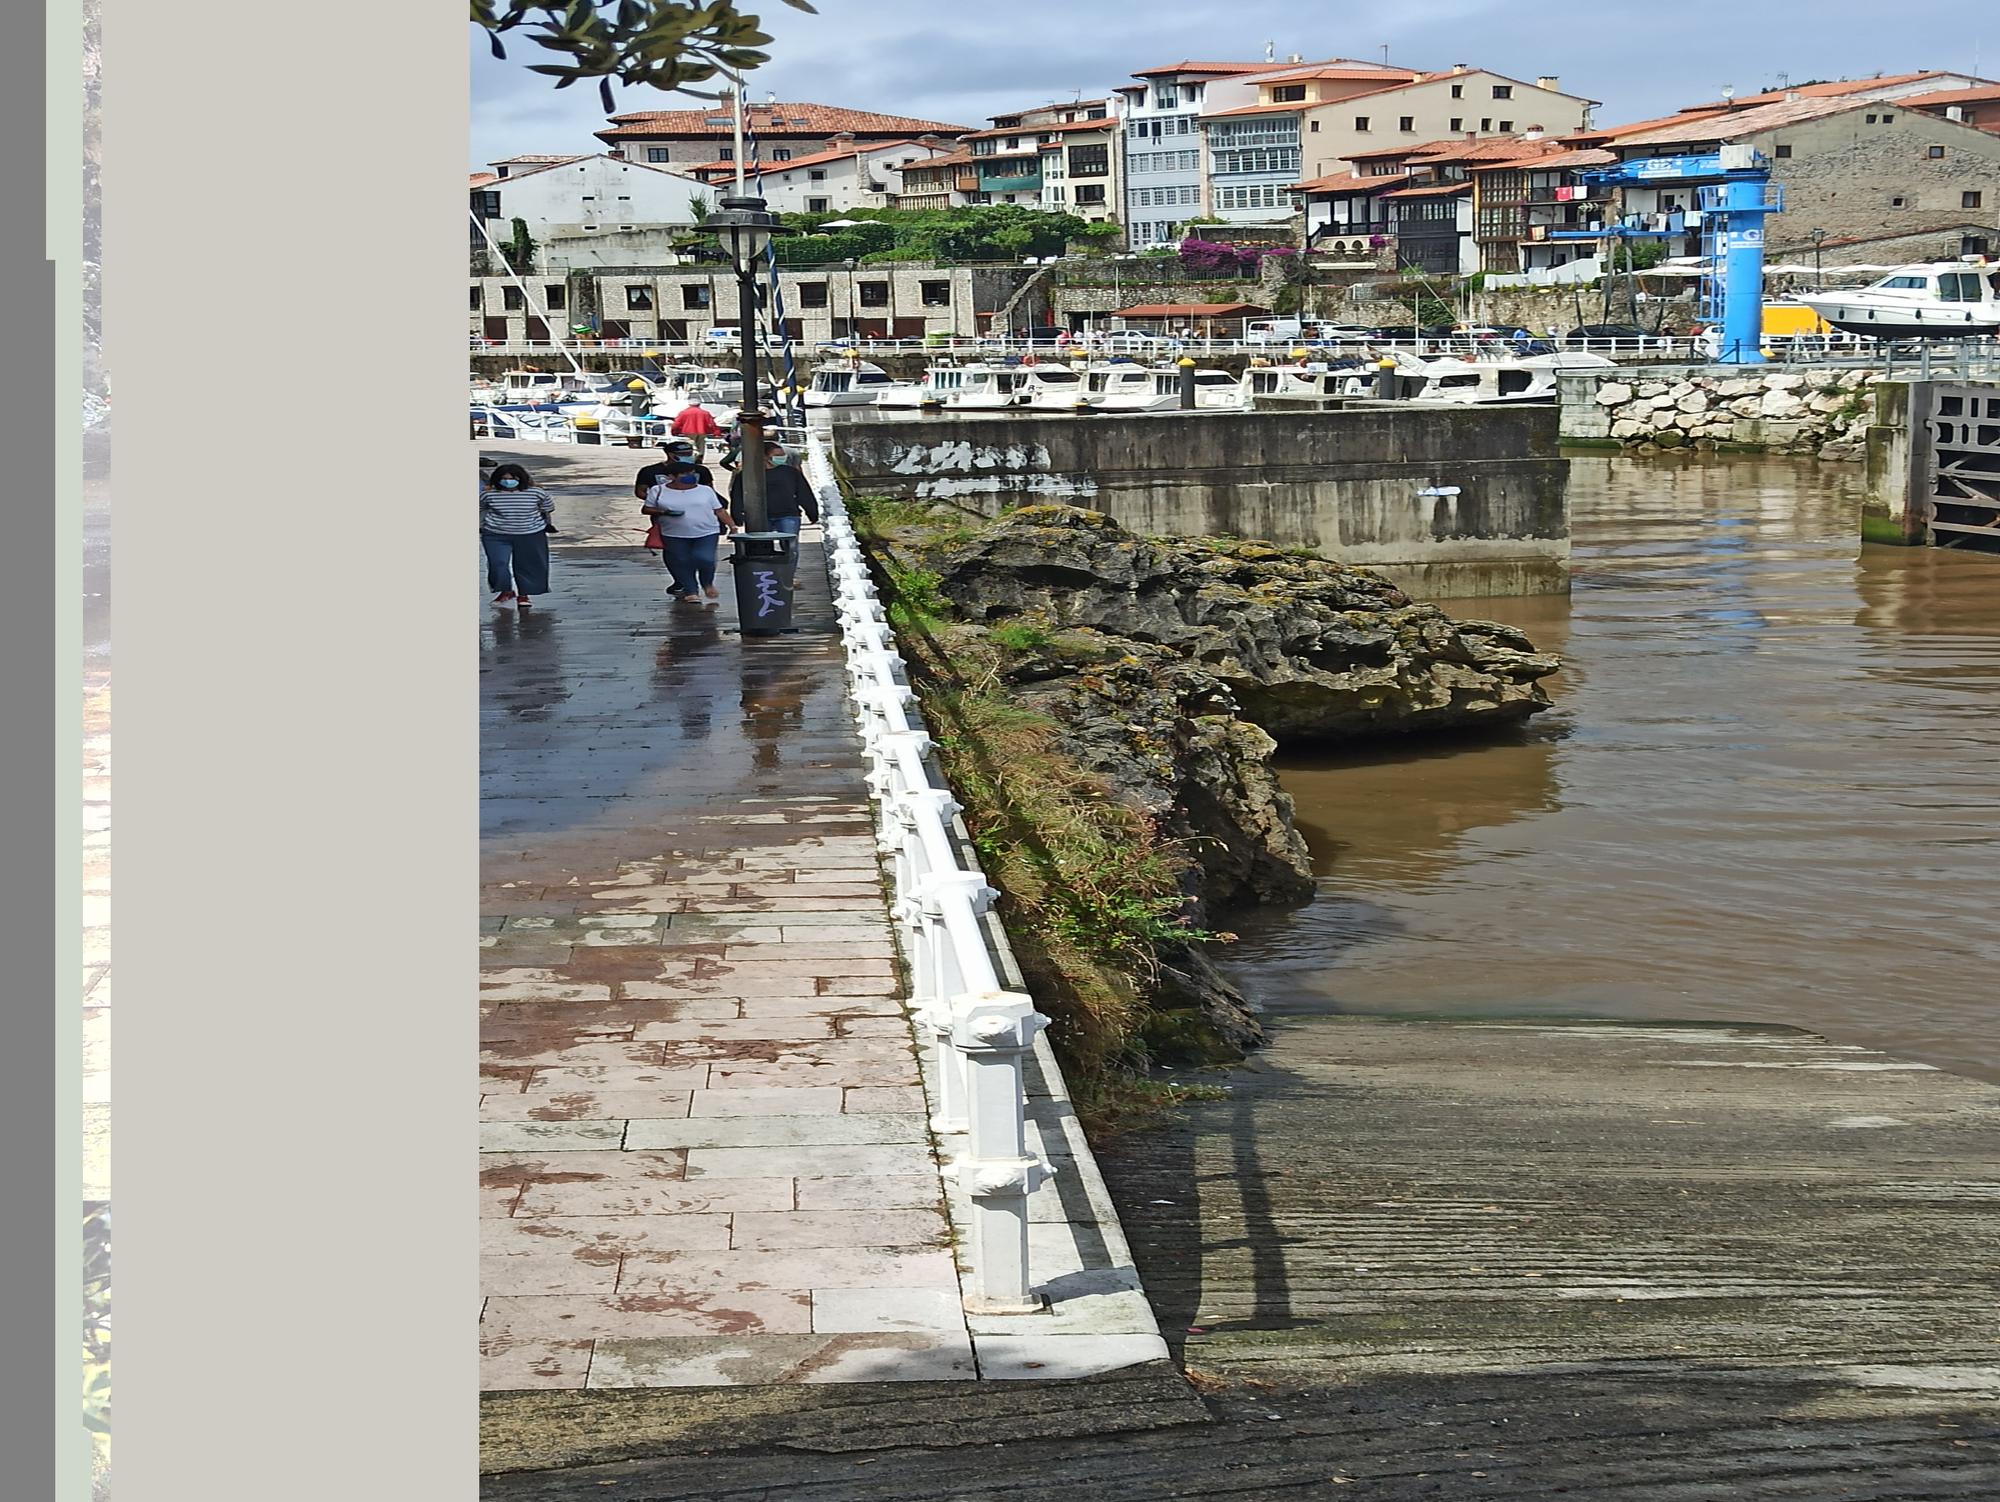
(742, 227)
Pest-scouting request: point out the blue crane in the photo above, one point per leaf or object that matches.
(1733, 195)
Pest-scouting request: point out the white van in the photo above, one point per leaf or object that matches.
(1273, 331)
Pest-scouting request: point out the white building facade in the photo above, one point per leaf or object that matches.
(587, 195)
(1163, 165)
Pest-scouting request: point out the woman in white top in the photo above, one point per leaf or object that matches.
(692, 517)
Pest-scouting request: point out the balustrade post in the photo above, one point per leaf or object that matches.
(994, 1032)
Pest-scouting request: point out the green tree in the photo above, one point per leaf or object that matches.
(672, 45)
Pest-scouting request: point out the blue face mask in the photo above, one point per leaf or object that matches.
(777, 459)
(510, 483)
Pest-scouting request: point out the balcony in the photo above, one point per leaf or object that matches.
(966, 182)
(1548, 195)
(1027, 182)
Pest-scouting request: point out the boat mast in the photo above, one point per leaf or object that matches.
(527, 297)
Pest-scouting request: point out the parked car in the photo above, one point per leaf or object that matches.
(1124, 339)
(1273, 331)
(1394, 333)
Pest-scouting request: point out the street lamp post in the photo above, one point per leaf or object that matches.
(1817, 236)
(853, 335)
(743, 228)
(764, 562)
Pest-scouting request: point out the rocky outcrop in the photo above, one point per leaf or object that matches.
(1171, 670)
(1296, 645)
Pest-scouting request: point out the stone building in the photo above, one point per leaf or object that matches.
(1852, 169)
(669, 304)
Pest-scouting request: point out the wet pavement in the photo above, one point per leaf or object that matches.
(706, 1158)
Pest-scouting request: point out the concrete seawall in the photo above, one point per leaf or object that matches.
(1447, 502)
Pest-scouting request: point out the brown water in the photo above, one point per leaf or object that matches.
(1769, 790)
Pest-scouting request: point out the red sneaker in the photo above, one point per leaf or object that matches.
(503, 597)
(523, 601)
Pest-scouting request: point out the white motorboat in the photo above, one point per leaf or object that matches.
(1051, 388)
(1125, 388)
(1282, 385)
(1930, 300)
(975, 388)
(857, 385)
(1451, 381)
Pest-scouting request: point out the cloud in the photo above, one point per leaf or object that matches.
(964, 62)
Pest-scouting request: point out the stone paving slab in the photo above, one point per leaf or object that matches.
(706, 1157)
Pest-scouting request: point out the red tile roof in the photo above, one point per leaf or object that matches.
(835, 154)
(771, 120)
(1942, 97)
(481, 179)
(1829, 89)
(1352, 182)
(1733, 125)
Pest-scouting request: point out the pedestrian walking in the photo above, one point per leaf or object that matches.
(695, 421)
(514, 529)
(672, 450)
(789, 501)
(690, 517)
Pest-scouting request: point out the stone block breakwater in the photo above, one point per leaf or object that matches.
(1826, 413)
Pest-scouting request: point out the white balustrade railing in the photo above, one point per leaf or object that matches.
(978, 1034)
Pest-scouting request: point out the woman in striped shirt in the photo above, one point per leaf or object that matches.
(514, 531)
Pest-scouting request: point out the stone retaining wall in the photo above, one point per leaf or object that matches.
(1823, 412)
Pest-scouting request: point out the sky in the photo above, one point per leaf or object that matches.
(960, 62)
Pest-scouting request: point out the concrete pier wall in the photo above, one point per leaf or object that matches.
(1357, 485)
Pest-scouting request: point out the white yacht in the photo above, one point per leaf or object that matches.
(1489, 379)
(1052, 388)
(1932, 300)
(980, 388)
(1284, 385)
(1124, 388)
(859, 385)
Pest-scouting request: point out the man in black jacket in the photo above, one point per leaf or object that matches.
(788, 496)
(675, 449)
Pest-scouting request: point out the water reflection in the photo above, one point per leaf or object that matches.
(1766, 793)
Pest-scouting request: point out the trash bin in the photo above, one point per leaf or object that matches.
(765, 565)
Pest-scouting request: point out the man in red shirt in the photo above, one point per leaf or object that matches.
(694, 421)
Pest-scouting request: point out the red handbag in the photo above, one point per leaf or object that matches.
(653, 535)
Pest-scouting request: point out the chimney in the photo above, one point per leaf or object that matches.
(1460, 68)
(1793, 96)
(1546, 81)
(1954, 112)
(1532, 133)
(1295, 57)
(842, 138)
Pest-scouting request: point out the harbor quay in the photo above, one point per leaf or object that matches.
(1412, 1258)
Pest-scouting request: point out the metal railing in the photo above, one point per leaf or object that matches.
(977, 1034)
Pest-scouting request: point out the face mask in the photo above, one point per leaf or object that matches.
(510, 483)
(777, 459)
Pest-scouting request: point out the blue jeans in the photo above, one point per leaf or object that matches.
(516, 562)
(789, 524)
(690, 561)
